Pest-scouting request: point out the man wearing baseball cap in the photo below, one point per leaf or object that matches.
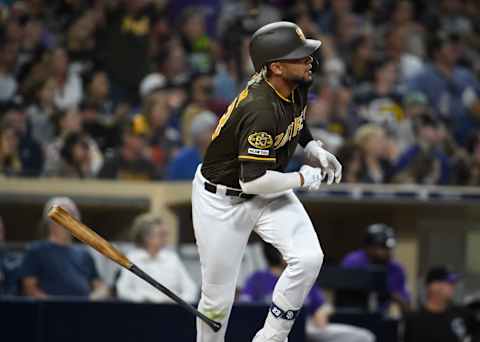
(378, 251)
(438, 319)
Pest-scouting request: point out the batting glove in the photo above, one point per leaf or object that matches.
(312, 177)
(329, 164)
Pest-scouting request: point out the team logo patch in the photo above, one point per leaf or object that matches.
(276, 311)
(288, 315)
(300, 33)
(261, 140)
(258, 152)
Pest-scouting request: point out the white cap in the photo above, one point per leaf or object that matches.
(202, 122)
(65, 202)
(151, 82)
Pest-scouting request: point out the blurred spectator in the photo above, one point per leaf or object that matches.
(56, 267)
(131, 160)
(40, 112)
(33, 44)
(414, 104)
(247, 14)
(328, 20)
(381, 102)
(373, 143)
(97, 93)
(403, 17)
(80, 40)
(378, 252)
(350, 156)
(28, 149)
(259, 288)
(200, 99)
(199, 47)
(155, 122)
(439, 319)
(408, 64)
(8, 82)
(361, 62)
(185, 163)
(69, 88)
(66, 124)
(75, 159)
(95, 125)
(10, 161)
(453, 91)
(123, 46)
(153, 256)
(424, 162)
(227, 78)
(173, 63)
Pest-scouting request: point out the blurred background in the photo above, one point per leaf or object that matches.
(107, 108)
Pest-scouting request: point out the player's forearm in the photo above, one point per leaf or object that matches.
(272, 182)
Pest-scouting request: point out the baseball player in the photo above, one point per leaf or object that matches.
(242, 186)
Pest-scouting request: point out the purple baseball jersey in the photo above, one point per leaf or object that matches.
(396, 279)
(259, 288)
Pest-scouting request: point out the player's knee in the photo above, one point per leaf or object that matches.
(311, 262)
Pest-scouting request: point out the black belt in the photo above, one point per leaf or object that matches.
(229, 192)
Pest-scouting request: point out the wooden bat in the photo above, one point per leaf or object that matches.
(88, 236)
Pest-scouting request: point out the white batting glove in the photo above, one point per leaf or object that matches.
(329, 164)
(312, 177)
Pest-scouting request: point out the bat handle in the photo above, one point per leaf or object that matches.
(216, 326)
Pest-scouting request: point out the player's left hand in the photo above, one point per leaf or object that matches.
(328, 162)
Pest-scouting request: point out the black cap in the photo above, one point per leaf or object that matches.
(280, 41)
(441, 274)
(381, 235)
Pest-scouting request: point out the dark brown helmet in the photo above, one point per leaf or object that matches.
(280, 41)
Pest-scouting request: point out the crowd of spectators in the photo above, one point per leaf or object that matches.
(129, 89)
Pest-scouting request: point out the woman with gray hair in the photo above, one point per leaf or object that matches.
(151, 236)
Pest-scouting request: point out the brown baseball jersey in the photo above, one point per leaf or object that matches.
(259, 131)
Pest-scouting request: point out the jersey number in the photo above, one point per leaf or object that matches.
(223, 120)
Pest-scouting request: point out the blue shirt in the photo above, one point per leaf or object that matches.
(409, 155)
(396, 278)
(184, 165)
(60, 270)
(446, 95)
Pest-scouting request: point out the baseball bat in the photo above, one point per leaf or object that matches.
(88, 236)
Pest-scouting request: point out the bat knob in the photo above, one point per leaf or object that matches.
(216, 326)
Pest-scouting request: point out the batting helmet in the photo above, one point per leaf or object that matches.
(279, 41)
(380, 234)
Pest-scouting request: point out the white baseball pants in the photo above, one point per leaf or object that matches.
(222, 226)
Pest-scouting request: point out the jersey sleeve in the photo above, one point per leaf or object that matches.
(256, 138)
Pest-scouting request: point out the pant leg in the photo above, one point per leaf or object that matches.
(285, 224)
(335, 332)
(222, 228)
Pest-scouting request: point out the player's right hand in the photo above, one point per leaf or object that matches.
(312, 177)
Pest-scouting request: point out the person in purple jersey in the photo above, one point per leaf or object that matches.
(259, 288)
(378, 251)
